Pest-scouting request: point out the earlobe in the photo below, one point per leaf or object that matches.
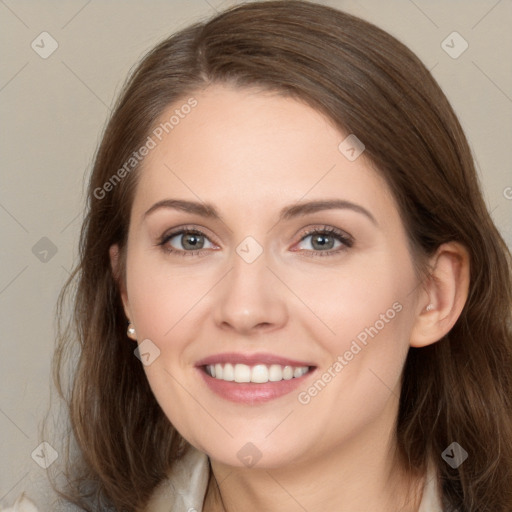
(444, 295)
(116, 272)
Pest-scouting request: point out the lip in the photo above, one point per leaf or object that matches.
(251, 359)
(251, 393)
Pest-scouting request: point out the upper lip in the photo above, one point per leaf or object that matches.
(250, 359)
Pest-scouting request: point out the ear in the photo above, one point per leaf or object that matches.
(116, 271)
(446, 289)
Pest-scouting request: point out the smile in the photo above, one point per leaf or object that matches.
(253, 379)
(258, 374)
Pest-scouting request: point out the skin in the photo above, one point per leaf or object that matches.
(250, 153)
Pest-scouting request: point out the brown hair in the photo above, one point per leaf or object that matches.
(368, 83)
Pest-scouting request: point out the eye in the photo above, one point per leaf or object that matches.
(323, 241)
(186, 242)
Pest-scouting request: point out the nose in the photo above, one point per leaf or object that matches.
(250, 298)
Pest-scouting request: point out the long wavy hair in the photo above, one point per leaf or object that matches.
(368, 83)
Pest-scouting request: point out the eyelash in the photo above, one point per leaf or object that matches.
(345, 239)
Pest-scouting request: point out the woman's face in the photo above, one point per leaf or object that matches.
(267, 284)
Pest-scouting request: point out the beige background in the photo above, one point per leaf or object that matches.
(53, 111)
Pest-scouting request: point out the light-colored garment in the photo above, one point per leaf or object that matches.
(185, 488)
(189, 480)
(431, 499)
(22, 504)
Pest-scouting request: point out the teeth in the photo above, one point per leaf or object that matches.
(287, 373)
(228, 372)
(242, 373)
(298, 372)
(275, 373)
(258, 374)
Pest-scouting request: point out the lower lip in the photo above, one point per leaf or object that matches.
(251, 392)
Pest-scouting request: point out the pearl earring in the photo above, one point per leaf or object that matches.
(131, 332)
(430, 307)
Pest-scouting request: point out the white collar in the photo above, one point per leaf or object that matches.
(185, 488)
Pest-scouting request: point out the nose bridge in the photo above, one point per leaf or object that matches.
(250, 295)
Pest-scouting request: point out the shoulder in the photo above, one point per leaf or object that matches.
(432, 498)
(185, 488)
(22, 504)
(185, 485)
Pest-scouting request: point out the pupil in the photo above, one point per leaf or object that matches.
(192, 241)
(321, 240)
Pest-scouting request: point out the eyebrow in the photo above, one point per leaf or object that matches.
(288, 212)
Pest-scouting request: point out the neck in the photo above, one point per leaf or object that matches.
(361, 475)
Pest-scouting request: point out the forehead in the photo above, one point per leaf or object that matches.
(251, 150)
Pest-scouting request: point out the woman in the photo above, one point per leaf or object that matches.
(290, 293)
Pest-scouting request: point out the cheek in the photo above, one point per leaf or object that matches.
(162, 304)
(359, 380)
(160, 297)
(369, 311)
(363, 299)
